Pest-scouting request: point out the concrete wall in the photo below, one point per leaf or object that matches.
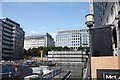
(112, 62)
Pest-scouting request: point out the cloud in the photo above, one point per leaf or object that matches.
(40, 28)
(43, 27)
(33, 31)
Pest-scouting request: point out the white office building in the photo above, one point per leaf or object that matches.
(73, 38)
(38, 40)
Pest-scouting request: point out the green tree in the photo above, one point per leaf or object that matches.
(25, 52)
(36, 51)
(65, 48)
(28, 52)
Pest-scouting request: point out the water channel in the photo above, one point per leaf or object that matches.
(76, 70)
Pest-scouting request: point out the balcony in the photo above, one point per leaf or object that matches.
(8, 35)
(9, 31)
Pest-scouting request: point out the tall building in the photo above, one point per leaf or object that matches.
(73, 38)
(91, 6)
(104, 14)
(11, 40)
(38, 40)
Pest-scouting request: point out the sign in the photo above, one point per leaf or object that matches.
(108, 74)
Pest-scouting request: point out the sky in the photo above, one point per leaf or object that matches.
(37, 17)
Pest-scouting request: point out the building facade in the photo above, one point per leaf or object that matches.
(1, 28)
(91, 7)
(105, 14)
(67, 56)
(73, 38)
(11, 39)
(38, 40)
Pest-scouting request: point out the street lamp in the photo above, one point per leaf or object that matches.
(89, 22)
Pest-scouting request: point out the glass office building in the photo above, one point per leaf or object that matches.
(11, 39)
(73, 38)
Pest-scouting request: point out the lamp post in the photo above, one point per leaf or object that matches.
(89, 22)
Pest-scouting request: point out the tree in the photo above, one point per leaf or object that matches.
(65, 48)
(25, 52)
(36, 51)
(86, 49)
(28, 52)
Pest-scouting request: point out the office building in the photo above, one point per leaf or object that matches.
(67, 56)
(91, 7)
(11, 39)
(38, 40)
(105, 14)
(73, 38)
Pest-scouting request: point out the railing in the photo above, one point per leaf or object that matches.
(86, 70)
(52, 74)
